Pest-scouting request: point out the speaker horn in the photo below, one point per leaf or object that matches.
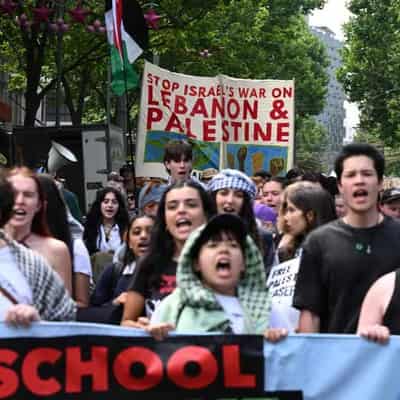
(58, 157)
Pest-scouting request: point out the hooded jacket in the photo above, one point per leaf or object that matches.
(194, 307)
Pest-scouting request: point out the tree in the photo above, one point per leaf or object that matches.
(311, 139)
(28, 48)
(84, 77)
(371, 67)
(246, 38)
(29, 42)
(392, 155)
(255, 40)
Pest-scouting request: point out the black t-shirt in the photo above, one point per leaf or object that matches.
(153, 294)
(339, 264)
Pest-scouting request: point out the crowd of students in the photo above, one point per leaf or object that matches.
(195, 255)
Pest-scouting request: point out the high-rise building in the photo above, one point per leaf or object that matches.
(334, 113)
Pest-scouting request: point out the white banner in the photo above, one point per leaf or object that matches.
(236, 123)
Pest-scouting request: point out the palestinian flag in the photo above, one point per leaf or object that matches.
(128, 37)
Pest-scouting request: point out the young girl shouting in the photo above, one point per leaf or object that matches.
(220, 285)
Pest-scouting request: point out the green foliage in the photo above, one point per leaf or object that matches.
(392, 154)
(252, 39)
(311, 141)
(255, 39)
(30, 55)
(371, 69)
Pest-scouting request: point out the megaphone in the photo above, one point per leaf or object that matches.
(58, 157)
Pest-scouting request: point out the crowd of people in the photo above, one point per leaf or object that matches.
(194, 253)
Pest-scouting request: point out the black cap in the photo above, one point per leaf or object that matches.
(390, 195)
(219, 223)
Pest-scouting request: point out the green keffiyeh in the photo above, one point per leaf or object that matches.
(251, 291)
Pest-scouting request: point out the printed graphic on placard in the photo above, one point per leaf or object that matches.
(250, 158)
(205, 155)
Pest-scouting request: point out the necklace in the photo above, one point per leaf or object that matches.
(107, 231)
(366, 248)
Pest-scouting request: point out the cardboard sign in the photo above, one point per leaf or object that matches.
(282, 280)
(232, 123)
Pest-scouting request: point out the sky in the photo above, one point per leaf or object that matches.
(333, 15)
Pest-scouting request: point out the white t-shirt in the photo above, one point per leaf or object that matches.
(284, 316)
(114, 239)
(233, 310)
(231, 307)
(81, 258)
(13, 281)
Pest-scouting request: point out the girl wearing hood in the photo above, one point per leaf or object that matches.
(220, 285)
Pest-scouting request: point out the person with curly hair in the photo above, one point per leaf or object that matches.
(184, 207)
(106, 223)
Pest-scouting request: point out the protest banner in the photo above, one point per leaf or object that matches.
(78, 367)
(237, 123)
(86, 361)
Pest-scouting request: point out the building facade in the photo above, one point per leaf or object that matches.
(334, 114)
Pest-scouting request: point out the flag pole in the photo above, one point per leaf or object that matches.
(126, 15)
(129, 133)
(108, 120)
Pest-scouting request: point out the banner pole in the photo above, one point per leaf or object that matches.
(129, 133)
(294, 152)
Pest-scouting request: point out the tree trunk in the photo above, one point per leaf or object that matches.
(35, 50)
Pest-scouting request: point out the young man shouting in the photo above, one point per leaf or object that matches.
(342, 259)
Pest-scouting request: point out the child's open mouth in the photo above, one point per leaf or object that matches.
(223, 268)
